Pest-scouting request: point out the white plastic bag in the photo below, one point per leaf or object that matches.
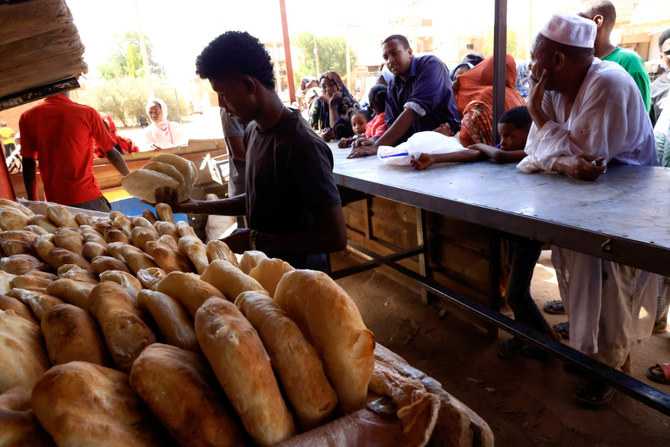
(421, 142)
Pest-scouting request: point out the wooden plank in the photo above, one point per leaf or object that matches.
(216, 147)
(401, 235)
(24, 52)
(393, 211)
(23, 20)
(448, 256)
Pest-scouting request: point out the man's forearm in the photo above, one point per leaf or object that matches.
(234, 206)
(116, 159)
(398, 128)
(29, 178)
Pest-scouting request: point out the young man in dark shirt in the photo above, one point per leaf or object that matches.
(291, 200)
(420, 96)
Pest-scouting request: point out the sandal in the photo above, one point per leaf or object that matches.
(594, 394)
(510, 349)
(563, 329)
(554, 307)
(659, 373)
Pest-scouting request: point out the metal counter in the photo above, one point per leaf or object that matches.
(623, 216)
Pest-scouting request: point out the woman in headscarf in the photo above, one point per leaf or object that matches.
(331, 113)
(162, 133)
(474, 100)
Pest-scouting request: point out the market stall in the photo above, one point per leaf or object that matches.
(609, 218)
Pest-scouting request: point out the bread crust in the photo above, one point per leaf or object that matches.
(243, 369)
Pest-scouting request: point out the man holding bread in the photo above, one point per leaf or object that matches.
(291, 202)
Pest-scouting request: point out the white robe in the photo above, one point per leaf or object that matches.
(610, 306)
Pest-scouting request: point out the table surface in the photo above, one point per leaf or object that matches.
(621, 216)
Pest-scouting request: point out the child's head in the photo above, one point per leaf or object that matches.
(358, 122)
(513, 128)
(377, 98)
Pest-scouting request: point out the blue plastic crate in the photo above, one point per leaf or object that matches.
(132, 206)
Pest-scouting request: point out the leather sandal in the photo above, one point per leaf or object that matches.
(563, 329)
(554, 307)
(594, 394)
(659, 373)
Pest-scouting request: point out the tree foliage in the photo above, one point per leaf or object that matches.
(122, 98)
(332, 55)
(126, 61)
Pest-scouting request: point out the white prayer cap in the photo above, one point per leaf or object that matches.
(570, 29)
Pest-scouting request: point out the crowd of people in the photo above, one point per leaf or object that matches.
(579, 105)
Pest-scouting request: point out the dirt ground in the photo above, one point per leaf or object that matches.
(526, 402)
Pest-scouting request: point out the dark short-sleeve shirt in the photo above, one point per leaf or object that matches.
(289, 176)
(428, 86)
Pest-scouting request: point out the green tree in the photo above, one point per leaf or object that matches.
(332, 55)
(121, 98)
(126, 59)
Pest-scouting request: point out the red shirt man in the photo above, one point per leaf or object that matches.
(60, 134)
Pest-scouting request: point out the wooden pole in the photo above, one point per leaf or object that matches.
(499, 64)
(287, 52)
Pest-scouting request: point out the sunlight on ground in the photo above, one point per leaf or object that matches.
(552, 279)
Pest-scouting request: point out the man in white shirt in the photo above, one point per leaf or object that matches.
(588, 113)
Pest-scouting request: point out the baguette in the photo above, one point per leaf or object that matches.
(297, 363)
(71, 334)
(126, 335)
(243, 369)
(188, 289)
(22, 347)
(330, 320)
(229, 279)
(171, 319)
(182, 392)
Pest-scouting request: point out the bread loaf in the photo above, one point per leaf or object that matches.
(219, 250)
(250, 259)
(21, 309)
(18, 425)
(71, 291)
(171, 319)
(164, 212)
(330, 320)
(229, 279)
(122, 327)
(11, 203)
(61, 217)
(92, 250)
(167, 228)
(149, 215)
(113, 234)
(12, 219)
(38, 302)
(72, 271)
(295, 360)
(28, 282)
(21, 350)
(44, 222)
(181, 391)
(59, 256)
(141, 221)
(169, 241)
(185, 229)
(83, 219)
(136, 259)
(243, 369)
(188, 289)
(71, 334)
(143, 184)
(131, 284)
(82, 404)
(195, 250)
(268, 272)
(22, 264)
(101, 264)
(168, 260)
(141, 235)
(6, 281)
(151, 276)
(69, 239)
(36, 229)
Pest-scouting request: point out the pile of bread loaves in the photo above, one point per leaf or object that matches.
(131, 331)
(162, 170)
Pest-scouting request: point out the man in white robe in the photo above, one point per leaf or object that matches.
(586, 114)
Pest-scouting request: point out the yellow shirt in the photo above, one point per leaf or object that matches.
(6, 135)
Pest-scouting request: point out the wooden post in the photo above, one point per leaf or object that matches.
(499, 64)
(287, 52)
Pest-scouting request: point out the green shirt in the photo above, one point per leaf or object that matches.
(634, 65)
